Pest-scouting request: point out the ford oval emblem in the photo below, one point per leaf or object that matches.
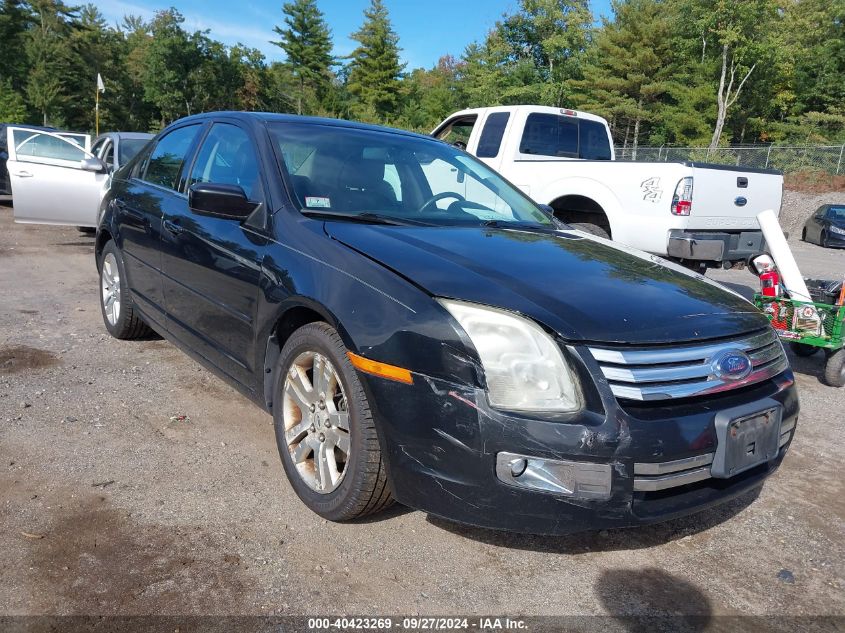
(731, 365)
(740, 201)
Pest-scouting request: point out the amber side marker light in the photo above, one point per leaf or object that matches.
(391, 372)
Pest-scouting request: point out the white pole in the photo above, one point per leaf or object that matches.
(785, 262)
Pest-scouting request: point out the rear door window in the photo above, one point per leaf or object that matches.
(165, 163)
(491, 135)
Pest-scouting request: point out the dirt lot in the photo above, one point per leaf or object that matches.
(109, 506)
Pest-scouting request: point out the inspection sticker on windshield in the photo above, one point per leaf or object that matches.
(315, 202)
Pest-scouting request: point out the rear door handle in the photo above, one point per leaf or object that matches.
(23, 174)
(172, 227)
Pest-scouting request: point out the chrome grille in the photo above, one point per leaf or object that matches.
(684, 371)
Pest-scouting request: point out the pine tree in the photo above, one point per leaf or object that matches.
(307, 42)
(375, 70)
(630, 72)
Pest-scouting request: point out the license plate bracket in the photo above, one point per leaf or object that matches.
(747, 437)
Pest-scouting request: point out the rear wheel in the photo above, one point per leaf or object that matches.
(119, 314)
(324, 428)
(592, 229)
(834, 369)
(803, 350)
(804, 235)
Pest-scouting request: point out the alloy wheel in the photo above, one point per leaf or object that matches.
(110, 284)
(316, 421)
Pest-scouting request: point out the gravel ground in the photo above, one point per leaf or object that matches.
(109, 505)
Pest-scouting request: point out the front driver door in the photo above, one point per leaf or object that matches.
(212, 265)
(50, 182)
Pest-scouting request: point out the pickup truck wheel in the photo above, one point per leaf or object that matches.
(119, 315)
(592, 229)
(324, 428)
(834, 369)
(803, 350)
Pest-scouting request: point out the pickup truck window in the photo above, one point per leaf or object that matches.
(565, 137)
(491, 136)
(458, 131)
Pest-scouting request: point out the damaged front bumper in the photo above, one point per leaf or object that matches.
(613, 464)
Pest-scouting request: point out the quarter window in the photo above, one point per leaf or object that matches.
(165, 163)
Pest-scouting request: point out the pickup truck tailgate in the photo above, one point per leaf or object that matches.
(726, 198)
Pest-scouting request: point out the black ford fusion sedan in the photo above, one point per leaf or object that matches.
(422, 332)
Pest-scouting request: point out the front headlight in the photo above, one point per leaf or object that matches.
(836, 229)
(524, 368)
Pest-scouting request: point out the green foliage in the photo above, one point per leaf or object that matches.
(653, 68)
(12, 105)
(307, 43)
(374, 68)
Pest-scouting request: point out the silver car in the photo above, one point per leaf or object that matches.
(55, 180)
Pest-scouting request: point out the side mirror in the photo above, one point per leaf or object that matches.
(222, 201)
(94, 164)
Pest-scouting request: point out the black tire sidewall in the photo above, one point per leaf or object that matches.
(834, 369)
(317, 338)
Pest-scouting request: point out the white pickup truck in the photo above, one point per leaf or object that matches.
(699, 214)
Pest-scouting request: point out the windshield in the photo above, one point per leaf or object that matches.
(836, 213)
(357, 172)
(129, 147)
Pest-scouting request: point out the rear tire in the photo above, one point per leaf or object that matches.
(309, 414)
(834, 369)
(119, 314)
(804, 235)
(592, 229)
(803, 350)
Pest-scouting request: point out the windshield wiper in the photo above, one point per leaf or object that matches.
(506, 224)
(367, 217)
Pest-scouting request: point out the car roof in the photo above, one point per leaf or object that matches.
(124, 135)
(272, 117)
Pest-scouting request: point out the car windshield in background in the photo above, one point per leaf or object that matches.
(836, 213)
(564, 137)
(354, 172)
(129, 147)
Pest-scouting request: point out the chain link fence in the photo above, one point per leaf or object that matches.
(789, 159)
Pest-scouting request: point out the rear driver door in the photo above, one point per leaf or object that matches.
(53, 180)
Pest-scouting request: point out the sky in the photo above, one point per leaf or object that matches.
(427, 29)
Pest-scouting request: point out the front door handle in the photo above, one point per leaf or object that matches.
(172, 227)
(23, 174)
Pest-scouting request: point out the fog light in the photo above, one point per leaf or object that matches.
(582, 480)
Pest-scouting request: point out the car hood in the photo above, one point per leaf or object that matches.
(584, 288)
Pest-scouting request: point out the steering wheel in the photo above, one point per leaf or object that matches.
(441, 196)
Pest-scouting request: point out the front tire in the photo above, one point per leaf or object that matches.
(119, 314)
(324, 428)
